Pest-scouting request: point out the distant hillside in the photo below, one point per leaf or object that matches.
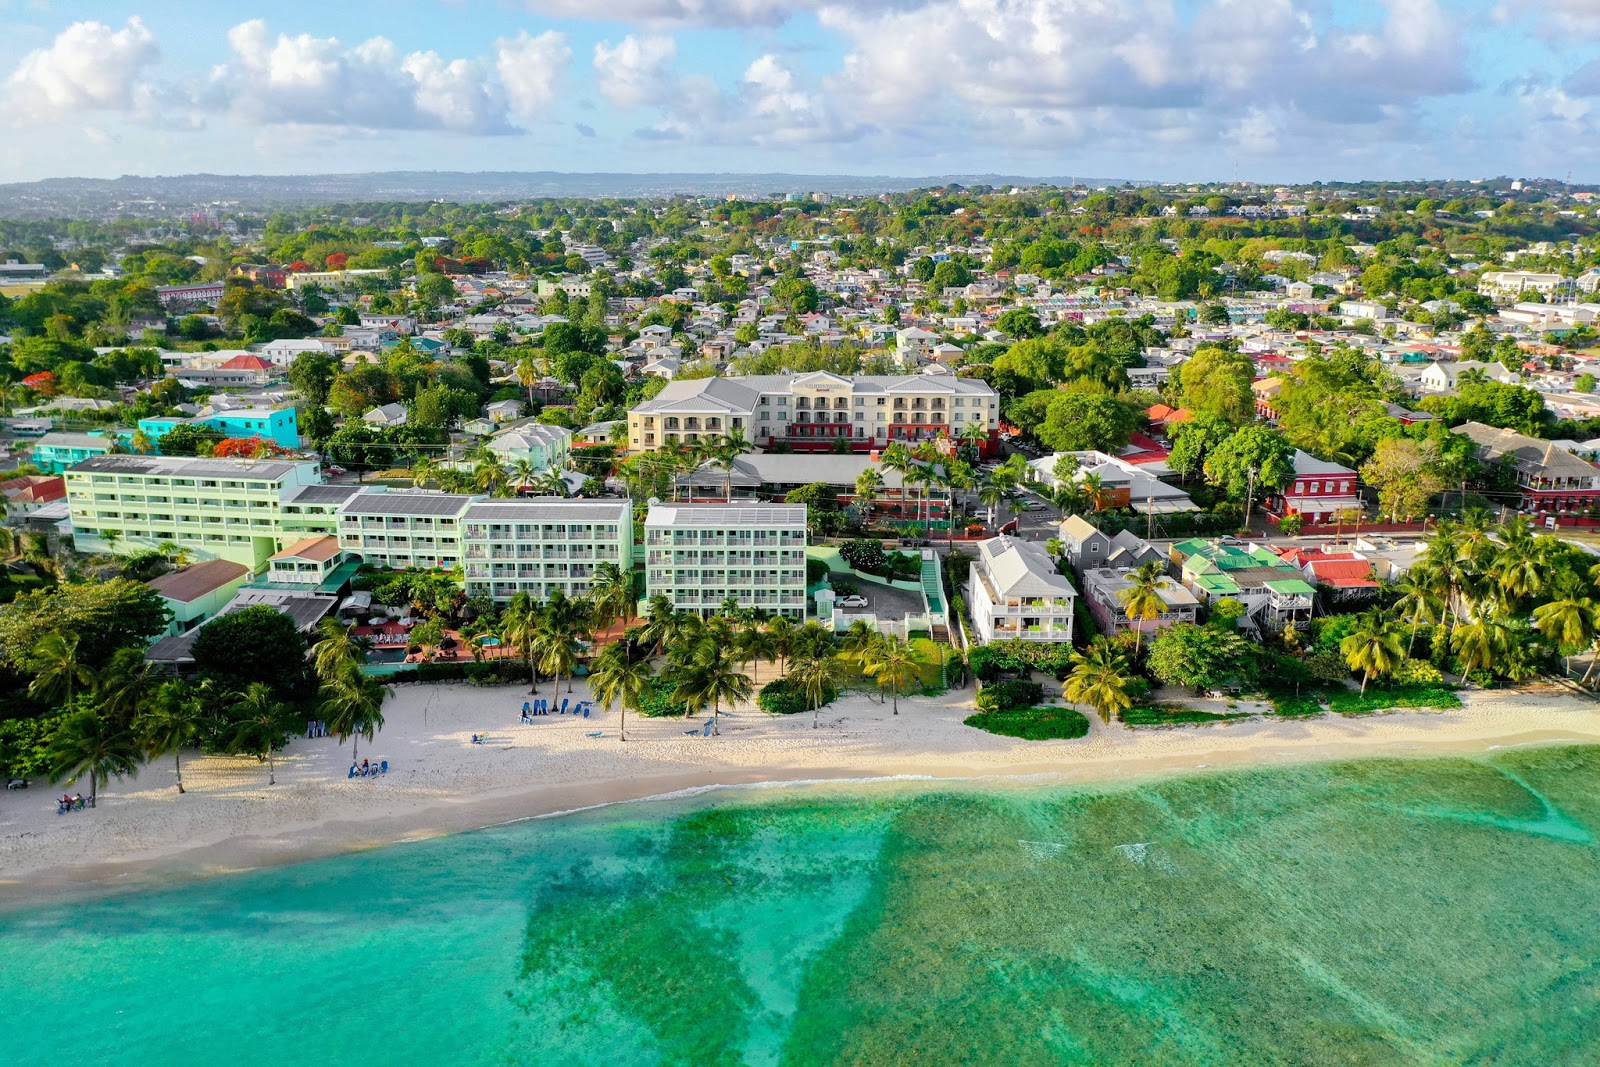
(148, 195)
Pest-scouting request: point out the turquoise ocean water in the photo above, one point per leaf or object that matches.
(1375, 912)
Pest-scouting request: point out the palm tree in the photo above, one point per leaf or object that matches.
(1480, 642)
(1095, 491)
(528, 377)
(782, 628)
(725, 452)
(898, 458)
(58, 668)
(611, 593)
(1072, 498)
(1100, 678)
(141, 444)
(992, 495)
(894, 665)
(263, 725)
(615, 678)
(519, 626)
(124, 684)
(423, 471)
(1517, 569)
(1570, 623)
(169, 723)
(560, 623)
(1417, 602)
(1141, 601)
(489, 475)
(521, 472)
(86, 743)
(338, 653)
(815, 671)
(869, 483)
(753, 644)
(354, 709)
(1372, 648)
(957, 475)
(710, 676)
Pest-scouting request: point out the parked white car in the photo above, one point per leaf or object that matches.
(851, 601)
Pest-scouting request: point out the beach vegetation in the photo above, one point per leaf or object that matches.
(86, 743)
(1009, 696)
(254, 644)
(1102, 678)
(1373, 647)
(783, 696)
(1344, 702)
(353, 708)
(708, 675)
(1045, 723)
(894, 664)
(169, 723)
(263, 725)
(102, 616)
(1202, 657)
(1172, 715)
(615, 677)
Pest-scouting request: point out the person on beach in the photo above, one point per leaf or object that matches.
(77, 802)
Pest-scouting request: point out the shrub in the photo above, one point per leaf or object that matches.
(1010, 696)
(1350, 702)
(863, 554)
(1296, 707)
(816, 571)
(841, 587)
(657, 700)
(1033, 724)
(1417, 672)
(784, 697)
(1171, 715)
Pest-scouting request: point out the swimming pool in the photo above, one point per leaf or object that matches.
(386, 655)
(488, 642)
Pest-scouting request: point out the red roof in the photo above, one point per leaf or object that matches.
(34, 489)
(247, 362)
(1344, 573)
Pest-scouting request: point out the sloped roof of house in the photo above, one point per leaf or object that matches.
(198, 579)
(1022, 569)
(1528, 453)
(320, 549)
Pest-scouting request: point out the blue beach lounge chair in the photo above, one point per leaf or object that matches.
(597, 733)
(383, 767)
(707, 731)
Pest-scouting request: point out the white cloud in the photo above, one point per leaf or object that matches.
(636, 71)
(318, 81)
(723, 13)
(1554, 18)
(88, 67)
(530, 68)
(1059, 71)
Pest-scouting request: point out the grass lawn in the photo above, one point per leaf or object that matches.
(1172, 715)
(1296, 707)
(1033, 724)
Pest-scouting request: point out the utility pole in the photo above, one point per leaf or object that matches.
(1149, 513)
(1250, 499)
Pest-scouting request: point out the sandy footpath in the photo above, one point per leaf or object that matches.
(230, 819)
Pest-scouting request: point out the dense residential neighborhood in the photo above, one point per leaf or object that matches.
(1180, 438)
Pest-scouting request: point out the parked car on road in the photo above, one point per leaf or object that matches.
(852, 601)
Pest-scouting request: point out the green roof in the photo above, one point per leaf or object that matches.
(1290, 586)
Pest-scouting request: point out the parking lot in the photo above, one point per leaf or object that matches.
(887, 603)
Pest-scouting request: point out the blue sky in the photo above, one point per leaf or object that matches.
(1277, 90)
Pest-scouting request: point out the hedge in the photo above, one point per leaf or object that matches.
(488, 672)
(784, 697)
(1172, 715)
(1033, 724)
(1010, 696)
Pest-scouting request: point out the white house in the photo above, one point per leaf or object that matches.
(387, 415)
(1015, 592)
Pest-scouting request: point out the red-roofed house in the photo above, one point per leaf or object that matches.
(263, 370)
(1342, 576)
(1143, 449)
(1163, 418)
(31, 492)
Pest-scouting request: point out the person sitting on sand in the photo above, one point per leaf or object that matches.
(77, 802)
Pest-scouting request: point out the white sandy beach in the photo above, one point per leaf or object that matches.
(143, 832)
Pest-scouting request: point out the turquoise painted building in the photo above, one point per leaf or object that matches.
(55, 452)
(281, 426)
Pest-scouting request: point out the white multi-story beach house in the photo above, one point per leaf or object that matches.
(1015, 591)
(543, 544)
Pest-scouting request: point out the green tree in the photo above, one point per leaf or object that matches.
(1078, 421)
(1372, 648)
(1406, 474)
(815, 671)
(894, 664)
(1256, 459)
(711, 676)
(1199, 657)
(86, 744)
(519, 628)
(1101, 679)
(263, 725)
(1572, 623)
(615, 678)
(254, 644)
(101, 616)
(1216, 381)
(353, 708)
(170, 722)
(59, 669)
(1141, 601)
